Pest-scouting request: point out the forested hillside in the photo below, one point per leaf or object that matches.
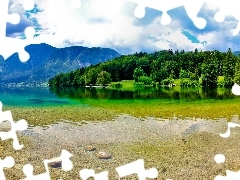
(46, 61)
(193, 68)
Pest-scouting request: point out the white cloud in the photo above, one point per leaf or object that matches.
(16, 7)
(111, 23)
(75, 25)
(180, 41)
(170, 36)
(118, 29)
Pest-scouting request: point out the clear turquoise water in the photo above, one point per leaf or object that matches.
(31, 96)
(45, 96)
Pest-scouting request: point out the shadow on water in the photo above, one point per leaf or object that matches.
(43, 101)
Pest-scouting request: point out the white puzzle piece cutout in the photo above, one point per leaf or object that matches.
(8, 45)
(137, 167)
(87, 173)
(20, 125)
(8, 162)
(67, 165)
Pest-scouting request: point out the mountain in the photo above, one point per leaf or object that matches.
(47, 61)
(236, 53)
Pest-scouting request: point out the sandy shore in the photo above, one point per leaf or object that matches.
(179, 149)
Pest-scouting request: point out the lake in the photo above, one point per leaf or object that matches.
(50, 96)
(118, 99)
(141, 102)
(174, 130)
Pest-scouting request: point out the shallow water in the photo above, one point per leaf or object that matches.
(179, 149)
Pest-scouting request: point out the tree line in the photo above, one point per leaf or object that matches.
(193, 68)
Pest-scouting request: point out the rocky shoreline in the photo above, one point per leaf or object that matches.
(179, 149)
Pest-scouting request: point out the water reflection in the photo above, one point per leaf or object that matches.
(39, 96)
(30, 96)
(175, 93)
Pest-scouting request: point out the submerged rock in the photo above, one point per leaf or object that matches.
(90, 148)
(103, 155)
(56, 164)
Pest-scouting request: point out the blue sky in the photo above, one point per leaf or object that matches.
(112, 24)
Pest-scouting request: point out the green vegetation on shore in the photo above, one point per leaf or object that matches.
(131, 85)
(194, 68)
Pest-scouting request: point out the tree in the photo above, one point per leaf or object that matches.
(229, 63)
(145, 80)
(209, 70)
(76, 79)
(104, 78)
(91, 76)
(138, 72)
(199, 66)
(143, 62)
(237, 71)
(159, 75)
(183, 74)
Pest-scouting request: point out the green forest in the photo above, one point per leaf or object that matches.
(193, 68)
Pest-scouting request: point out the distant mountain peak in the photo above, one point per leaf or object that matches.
(46, 61)
(236, 53)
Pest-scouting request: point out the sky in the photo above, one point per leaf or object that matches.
(113, 24)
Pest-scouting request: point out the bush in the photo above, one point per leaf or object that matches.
(194, 83)
(145, 80)
(154, 84)
(104, 78)
(117, 85)
(185, 82)
(188, 82)
(221, 83)
(138, 83)
(193, 76)
(167, 81)
(183, 74)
